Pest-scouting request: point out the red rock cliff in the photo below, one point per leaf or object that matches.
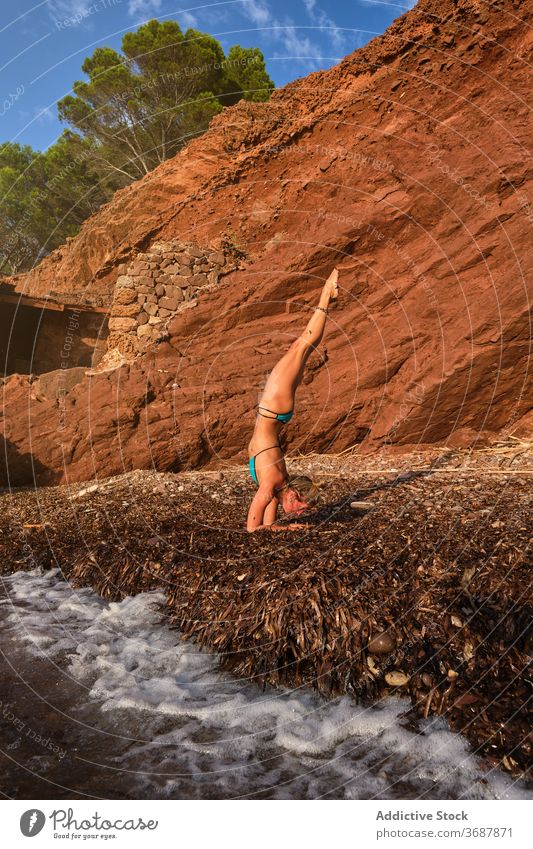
(408, 165)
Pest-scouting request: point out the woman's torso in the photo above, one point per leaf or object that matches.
(265, 447)
(278, 397)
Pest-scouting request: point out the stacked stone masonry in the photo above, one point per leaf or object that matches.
(155, 286)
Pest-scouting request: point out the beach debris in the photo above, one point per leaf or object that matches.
(86, 491)
(381, 644)
(362, 506)
(396, 678)
(319, 609)
(372, 665)
(468, 650)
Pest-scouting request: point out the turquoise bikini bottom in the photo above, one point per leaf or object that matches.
(251, 462)
(279, 417)
(251, 467)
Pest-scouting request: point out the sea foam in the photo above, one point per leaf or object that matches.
(198, 732)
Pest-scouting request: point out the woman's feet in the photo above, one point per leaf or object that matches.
(331, 282)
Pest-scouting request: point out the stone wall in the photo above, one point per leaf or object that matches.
(158, 284)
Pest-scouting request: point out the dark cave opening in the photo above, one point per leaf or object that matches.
(36, 338)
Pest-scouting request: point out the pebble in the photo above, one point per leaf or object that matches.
(371, 663)
(86, 491)
(468, 651)
(381, 644)
(362, 506)
(396, 678)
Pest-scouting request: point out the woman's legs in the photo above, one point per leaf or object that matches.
(314, 331)
(288, 372)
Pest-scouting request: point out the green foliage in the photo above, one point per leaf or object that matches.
(246, 66)
(135, 109)
(44, 197)
(141, 106)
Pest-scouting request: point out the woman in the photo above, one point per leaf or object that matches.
(267, 466)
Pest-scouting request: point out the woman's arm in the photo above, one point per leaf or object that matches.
(271, 513)
(258, 507)
(262, 512)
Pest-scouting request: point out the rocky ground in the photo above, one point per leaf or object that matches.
(426, 589)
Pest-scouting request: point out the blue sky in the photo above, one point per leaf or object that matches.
(44, 42)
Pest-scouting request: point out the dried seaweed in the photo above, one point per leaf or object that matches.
(441, 568)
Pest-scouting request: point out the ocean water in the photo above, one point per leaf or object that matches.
(103, 700)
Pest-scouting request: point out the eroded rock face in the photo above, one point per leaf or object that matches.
(408, 166)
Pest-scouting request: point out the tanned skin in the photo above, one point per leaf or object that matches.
(279, 395)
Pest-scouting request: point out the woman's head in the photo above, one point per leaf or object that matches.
(299, 495)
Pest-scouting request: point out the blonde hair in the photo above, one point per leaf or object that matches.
(306, 488)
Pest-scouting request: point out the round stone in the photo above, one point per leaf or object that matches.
(396, 678)
(381, 644)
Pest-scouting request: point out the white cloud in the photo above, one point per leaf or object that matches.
(143, 7)
(285, 32)
(44, 114)
(185, 19)
(258, 12)
(73, 10)
(325, 23)
(298, 45)
(68, 8)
